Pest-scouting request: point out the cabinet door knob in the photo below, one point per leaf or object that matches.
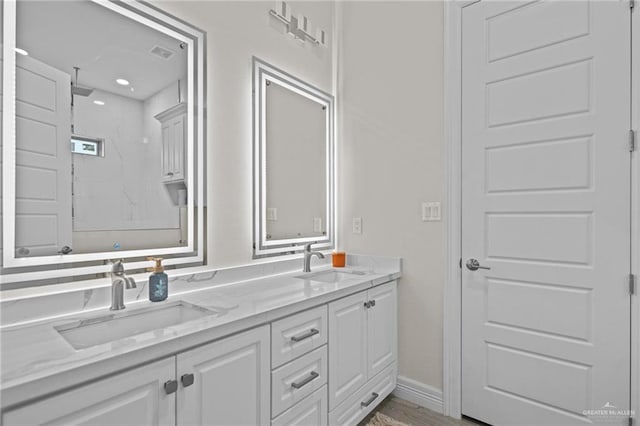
(367, 304)
(187, 379)
(170, 386)
(373, 303)
(370, 400)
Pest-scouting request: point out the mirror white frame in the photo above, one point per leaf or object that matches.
(264, 74)
(16, 269)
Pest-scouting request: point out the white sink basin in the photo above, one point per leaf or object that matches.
(330, 276)
(113, 326)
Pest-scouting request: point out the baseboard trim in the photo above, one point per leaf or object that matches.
(420, 394)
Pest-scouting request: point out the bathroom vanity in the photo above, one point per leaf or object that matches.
(292, 348)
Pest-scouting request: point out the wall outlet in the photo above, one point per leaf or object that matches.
(431, 211)
(357, 225)
(272, 213)
(317, 224)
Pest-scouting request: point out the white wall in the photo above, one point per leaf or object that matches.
(391, 97)
(235, 32)
(635, 265)
(391, 140)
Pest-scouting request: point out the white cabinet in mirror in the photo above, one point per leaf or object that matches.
(89, 136)
(294, 181)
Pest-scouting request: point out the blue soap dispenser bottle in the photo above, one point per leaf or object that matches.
(158, 282)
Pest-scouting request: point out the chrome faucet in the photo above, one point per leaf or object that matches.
(119, 281)
(307, 257)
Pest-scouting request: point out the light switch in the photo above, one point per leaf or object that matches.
(272, 213)
(317, 224)
(357, 225)
(431, 211)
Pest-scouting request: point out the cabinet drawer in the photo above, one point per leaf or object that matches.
(298, 379)
(298, 334)
(362, 402)
(311, 411)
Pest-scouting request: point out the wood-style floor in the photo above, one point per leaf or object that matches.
(414, 415)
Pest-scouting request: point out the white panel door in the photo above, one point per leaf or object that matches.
(382, 333)
(135, 398)
(546, 206)
(43, 159)
(230, 383)
(347, 347)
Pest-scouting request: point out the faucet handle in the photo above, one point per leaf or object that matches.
(130, 282)
(307, 247)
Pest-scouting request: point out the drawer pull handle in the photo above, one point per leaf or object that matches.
(306, 335)
(306, 380)
(370, 400)
(170, 386)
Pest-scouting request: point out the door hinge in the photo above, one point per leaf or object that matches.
(632, 140)
(632, 284)
(460, 263)
(632, 4)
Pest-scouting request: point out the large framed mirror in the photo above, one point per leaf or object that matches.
(294, 170)
(102, 137)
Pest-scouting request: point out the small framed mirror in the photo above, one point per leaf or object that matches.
(294, 170)
(102, 137)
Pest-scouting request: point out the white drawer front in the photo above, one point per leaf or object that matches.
(298, 334)
(298, 379)
(361, 403)
(311, 411)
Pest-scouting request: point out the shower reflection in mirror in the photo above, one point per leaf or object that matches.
(114, 91)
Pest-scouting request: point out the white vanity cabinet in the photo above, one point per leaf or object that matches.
(174, 136)
(135, 397)
(328, 365)
(225, 382)
(362, 349)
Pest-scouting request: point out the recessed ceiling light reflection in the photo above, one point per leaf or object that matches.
(98, 102)
(21, 51)
(122, 82)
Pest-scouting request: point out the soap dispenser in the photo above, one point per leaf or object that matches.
(158, 282)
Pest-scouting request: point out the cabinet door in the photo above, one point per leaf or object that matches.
(179, 128)
(347, 347)
(230, 383)
(173, 147)
(167, 150)
(136, 397)
(381, 328)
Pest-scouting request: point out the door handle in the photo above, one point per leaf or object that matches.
(474, 265)
(65, 250)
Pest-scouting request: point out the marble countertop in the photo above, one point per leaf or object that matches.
(38, 361)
